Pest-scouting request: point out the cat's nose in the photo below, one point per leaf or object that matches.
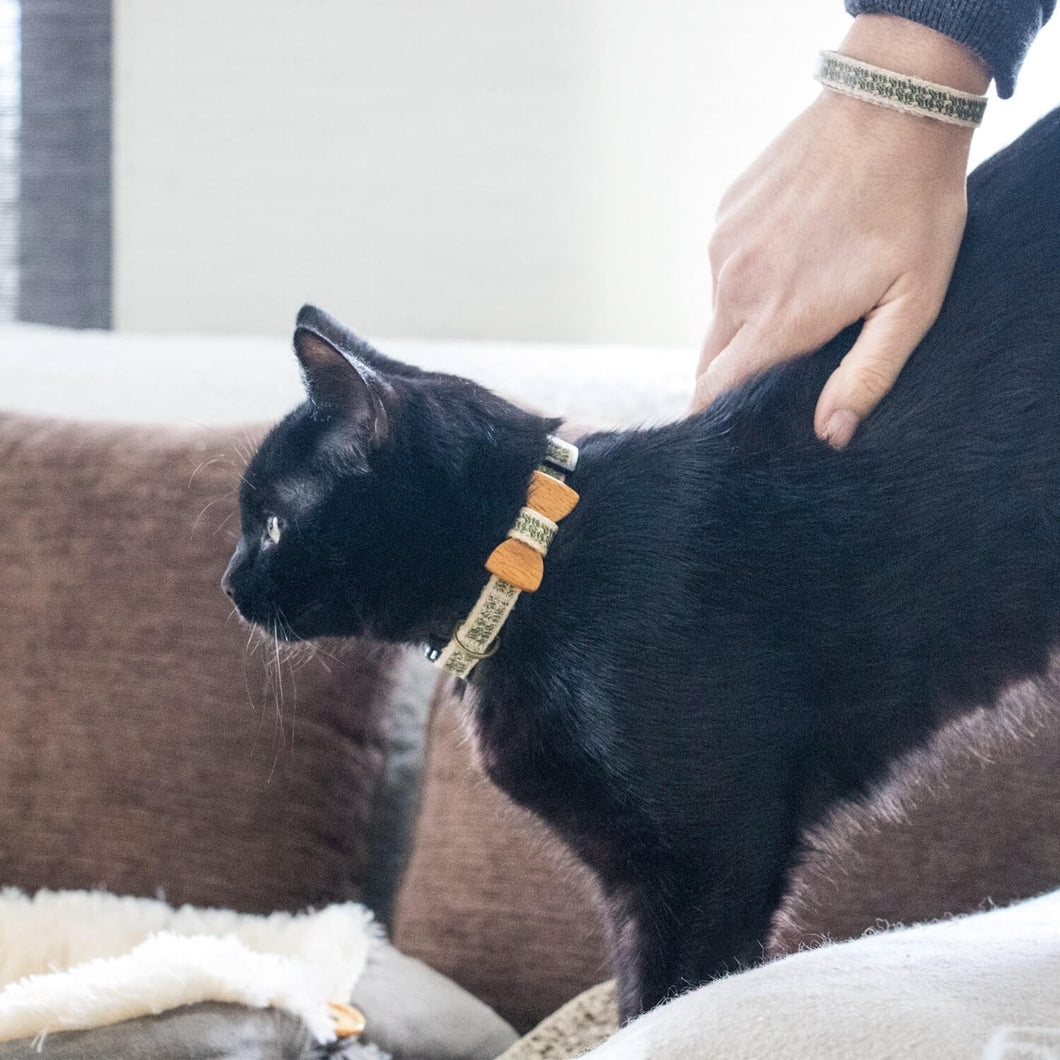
(233, 565)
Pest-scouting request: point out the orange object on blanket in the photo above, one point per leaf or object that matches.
(349, 1022)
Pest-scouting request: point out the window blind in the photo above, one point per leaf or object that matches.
(9, 110)
(64, 165)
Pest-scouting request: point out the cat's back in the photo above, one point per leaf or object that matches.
(946, 503)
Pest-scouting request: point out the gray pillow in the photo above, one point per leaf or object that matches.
(193, 1032)
(411, 1012)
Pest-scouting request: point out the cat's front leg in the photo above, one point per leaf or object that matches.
(678, 930)
(644, 954)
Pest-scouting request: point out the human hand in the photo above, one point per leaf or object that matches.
(855, 211)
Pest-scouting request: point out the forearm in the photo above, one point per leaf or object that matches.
(906, 47)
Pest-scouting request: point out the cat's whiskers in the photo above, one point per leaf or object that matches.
(299, 655)
(291, 651)
(217, 500)
(250, 649)
(276, 653)
(259, 639)
(222, 458)
(279, 689)
(245, 448)
(227, 519)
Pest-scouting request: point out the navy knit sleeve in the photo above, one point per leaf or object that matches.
(999, 31)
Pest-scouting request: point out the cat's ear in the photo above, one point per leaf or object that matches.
(340, 336)
(342, 384)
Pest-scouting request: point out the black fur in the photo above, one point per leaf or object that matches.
(738, 626)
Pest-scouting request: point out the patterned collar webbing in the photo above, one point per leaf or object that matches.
(475, 638)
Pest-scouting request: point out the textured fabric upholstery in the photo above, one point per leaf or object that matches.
(970, 822)
(144, 749)
(489, 899)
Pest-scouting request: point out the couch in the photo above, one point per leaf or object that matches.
(152, 747)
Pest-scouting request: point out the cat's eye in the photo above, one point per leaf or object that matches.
(274, 528)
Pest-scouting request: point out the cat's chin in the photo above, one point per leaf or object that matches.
(274, 626)
(285, 631)
(282, 634)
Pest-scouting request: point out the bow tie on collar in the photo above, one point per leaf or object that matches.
(516, 565)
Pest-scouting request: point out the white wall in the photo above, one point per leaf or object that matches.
(514, 169)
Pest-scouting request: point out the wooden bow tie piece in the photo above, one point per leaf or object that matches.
(520, 559)
(552, 498)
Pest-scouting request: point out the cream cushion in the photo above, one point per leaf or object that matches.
(982, 985)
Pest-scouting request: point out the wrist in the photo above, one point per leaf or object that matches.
(906, 47)
(930, 148)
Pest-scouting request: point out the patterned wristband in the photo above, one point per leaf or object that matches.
(907, 94)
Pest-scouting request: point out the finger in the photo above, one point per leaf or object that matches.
(866, 374)
(721, 332)
(719, 335)
(746, 355)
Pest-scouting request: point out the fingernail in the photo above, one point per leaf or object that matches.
(840, 428)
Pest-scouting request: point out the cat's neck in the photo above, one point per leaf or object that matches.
(471, 474)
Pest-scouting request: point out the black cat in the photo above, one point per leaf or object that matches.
(738, 626)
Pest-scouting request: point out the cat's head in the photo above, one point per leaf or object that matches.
(372, 506)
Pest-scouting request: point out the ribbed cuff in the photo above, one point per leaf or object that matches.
(998, 31)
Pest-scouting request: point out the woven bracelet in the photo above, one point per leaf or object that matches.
(851, 77)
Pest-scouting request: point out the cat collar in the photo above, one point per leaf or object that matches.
(516, 565)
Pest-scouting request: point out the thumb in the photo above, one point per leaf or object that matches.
(867, 373)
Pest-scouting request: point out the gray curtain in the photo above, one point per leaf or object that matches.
(64, 197)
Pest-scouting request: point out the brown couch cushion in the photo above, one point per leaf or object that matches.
(144, 748)
(489, 898)
(973, 820)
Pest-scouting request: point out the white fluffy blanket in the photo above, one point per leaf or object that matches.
(78, 959)
(983, 986)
